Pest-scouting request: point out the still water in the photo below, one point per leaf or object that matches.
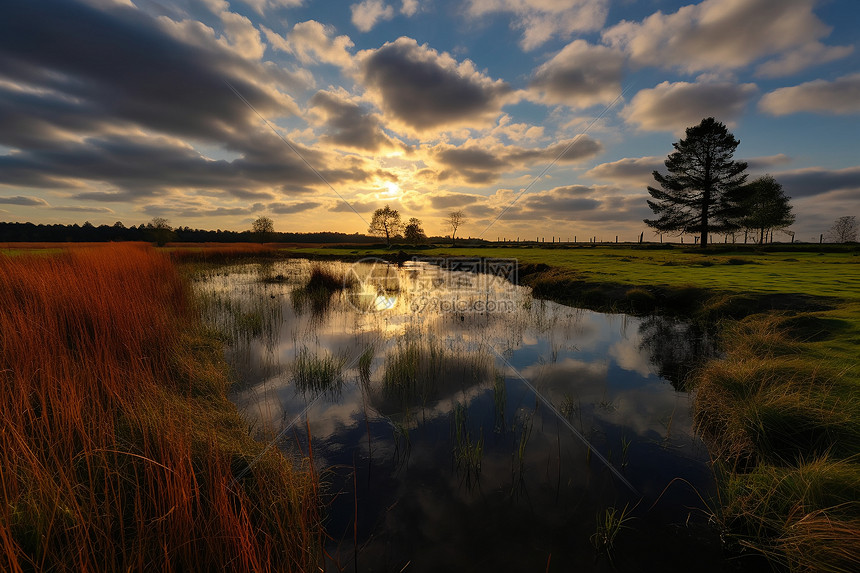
(462, 425)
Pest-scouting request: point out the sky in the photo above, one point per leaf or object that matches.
(536, 118)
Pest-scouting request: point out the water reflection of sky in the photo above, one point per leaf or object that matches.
(595, 369)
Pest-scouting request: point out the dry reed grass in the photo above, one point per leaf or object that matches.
(118, 448)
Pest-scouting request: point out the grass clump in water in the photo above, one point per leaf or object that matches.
(317, 293)
(314, 374)
(468, 451)
(610, 522)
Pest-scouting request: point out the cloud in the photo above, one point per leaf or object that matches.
(196, 211)
(409, 8)
(628, 170)
(348, 124)
(444, 201)
(814, 53)
(25, 201)
(313, 42)
(541, 20)
(812, 181)
(83, 209)
(675, 106)
(763, 163)
(355, 205)
(142, 167)
(290, 208)
(366, 14)
(163, 75)
(423, 90)
(639, 171)
(481, 163)
(261, 6)
(574, 204)
(728, 35)
(243, 36)
(580, 75)
(840, 96)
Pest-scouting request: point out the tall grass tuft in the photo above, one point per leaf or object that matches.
(119, 446)
(781, 427)
(610, 522)
(468, 451)
(323, 283)
(318, 374)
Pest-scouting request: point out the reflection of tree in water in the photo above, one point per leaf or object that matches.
(676, 348)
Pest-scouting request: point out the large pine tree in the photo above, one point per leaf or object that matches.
(700, 192)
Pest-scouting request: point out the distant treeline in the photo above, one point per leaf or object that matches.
(89, 233)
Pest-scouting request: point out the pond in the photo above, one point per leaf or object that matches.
(461, 424)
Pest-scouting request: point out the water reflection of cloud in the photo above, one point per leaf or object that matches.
(628, 354)
(595, 362)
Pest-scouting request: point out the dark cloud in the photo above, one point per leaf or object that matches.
(348, 124)
(26, 201)
(194, 211)
(629, 169)
(576, 203)
(355, 205)
(580, 75)
(83, 209)
(133, 68)
(425, 90)
(675, 106)
(817, 181)
(99, 95)
(763, 163)
(290, 208)
(251, 195)
(476, 165)
(142, 167)
(444, 201)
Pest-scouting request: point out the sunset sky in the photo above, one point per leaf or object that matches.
(131, 109)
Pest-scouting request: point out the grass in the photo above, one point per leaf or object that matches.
(119, 447)
(780, 414)
(323, 283)
(314, 375)
(468, 450)
(365, 361)
(610, 522)
(809, 272)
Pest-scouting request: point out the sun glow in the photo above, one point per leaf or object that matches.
(392, 189)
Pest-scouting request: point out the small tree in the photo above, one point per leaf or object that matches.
(413, 232)
(700, 192)
(263, 228)
(386, 223)
(160, 231)
(455, 221)
(765, 207)
(844, 230)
